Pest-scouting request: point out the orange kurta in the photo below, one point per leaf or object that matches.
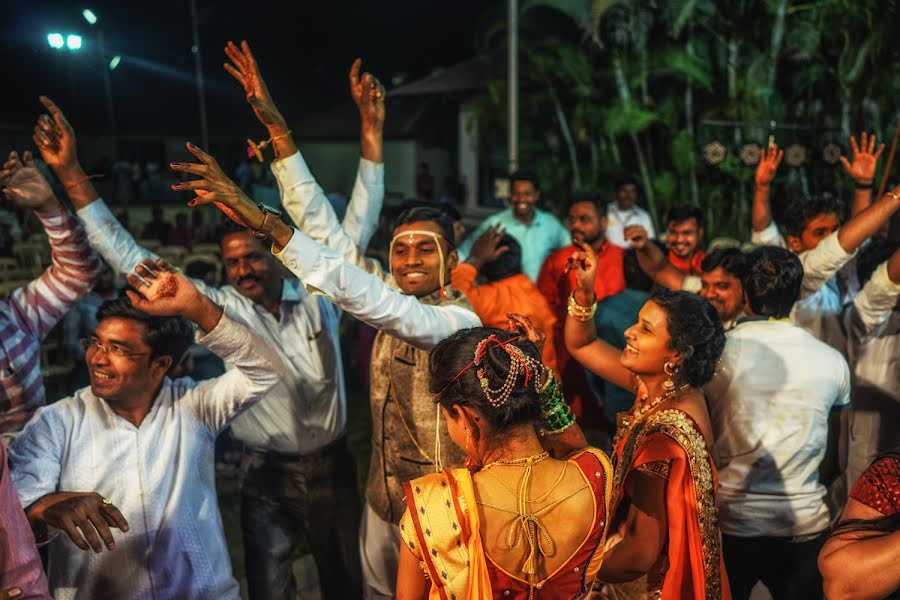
(493, 301)
(669, 443)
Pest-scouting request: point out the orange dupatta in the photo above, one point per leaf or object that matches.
(670, 440)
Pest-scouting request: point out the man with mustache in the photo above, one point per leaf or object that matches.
(684, 235)
(300, 475)
(587, 221)
(407, 439)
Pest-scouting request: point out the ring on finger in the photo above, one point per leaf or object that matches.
(107, 501)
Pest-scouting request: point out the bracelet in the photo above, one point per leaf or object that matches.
(867, 186)
(579, 312)
(75, 184)
(893, 195)
(255, 149)
(555, 412)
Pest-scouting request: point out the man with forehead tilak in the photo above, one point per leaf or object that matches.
(407, 439)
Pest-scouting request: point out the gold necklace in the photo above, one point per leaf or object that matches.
(526, 461)
(625, 422)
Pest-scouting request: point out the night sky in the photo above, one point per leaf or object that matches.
(304, 51)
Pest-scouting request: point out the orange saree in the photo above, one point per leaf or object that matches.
(669, 444)
(441, 528)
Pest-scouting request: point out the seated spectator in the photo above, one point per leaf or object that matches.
(158, 228)
(134, 452)
(496, 258)
(624, 211)
(684, 235)
(859, 560)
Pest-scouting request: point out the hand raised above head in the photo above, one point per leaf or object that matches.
(246, 71)
(865, 159)
(368, 94)
(522, 325)
(55, 138)
(769, 160)
(584, 264)
(164, 291)
(487, 247)
(24, 186)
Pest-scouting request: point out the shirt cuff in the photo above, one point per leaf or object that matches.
(371, 173)
(292, 170)
(302, 256)
(882, 280)
(767, 236)
(95, 211)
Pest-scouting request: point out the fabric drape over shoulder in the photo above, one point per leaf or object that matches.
(441, 527)
(669, 444)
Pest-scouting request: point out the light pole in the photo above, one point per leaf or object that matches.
(513, 85)
(198, 74)
(92, 20)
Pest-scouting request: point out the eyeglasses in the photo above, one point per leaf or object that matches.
(87, 344)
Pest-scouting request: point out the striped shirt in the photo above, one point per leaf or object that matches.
(32, 310)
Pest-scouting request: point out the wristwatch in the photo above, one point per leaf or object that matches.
(270, 218)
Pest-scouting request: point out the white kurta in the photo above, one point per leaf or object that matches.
(160, 475)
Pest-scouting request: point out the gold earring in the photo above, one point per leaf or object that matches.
(671, 370)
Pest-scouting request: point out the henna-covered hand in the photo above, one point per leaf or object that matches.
(246, 71)
(24, 186)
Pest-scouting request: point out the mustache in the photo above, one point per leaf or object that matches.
(249, 278)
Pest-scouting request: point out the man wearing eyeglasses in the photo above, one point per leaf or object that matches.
(124, 469)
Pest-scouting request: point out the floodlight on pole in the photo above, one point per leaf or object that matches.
(73, 41)
(115, 62)
(89, 16)
(56, 40)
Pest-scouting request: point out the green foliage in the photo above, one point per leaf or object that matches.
(630, 86)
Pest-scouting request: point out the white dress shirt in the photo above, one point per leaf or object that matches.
(368, 297)
(617, 219)
(873, 349)
(821, 302)
(769, 404)
(160, 475)
(307, 409)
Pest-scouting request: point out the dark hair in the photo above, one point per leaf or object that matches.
(595, 199)
(523, 175)
(732, 261)
(229, 227)
(683, 212)
(800, 212)
(452, 212)
(772, 281)
(873, 254)
(166, 336)
(507, 264)
(879, 526)
(456, 352)
(635, 278)
(696, 333)
(430, 214)
(627, 180)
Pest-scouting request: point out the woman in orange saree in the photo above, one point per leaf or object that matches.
(517, 523)
(665, 540)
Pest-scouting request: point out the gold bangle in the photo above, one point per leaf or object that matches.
(893, 195)
(579, 312)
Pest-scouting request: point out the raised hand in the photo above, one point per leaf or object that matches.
(636, 236)
(865, 159)
(368, 94)
(769, 160)
(487, 247)
(86, 519)
(216, 188)
(55, 139)
(246, 71)
(523, 326)
(24, 186)
(165, 291)
(584, 263)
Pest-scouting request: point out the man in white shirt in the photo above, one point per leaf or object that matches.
(625, 212)
(407, 439)
(872, 322)
(812, 228)
(776, 404)
(134, 452)
(299, 473)
(538, 232)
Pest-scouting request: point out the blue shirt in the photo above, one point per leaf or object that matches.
(544, 235)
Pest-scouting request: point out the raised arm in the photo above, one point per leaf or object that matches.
(763, 229)
(580, 333)
(364, 295)
(303, 199)
(74, 269)
(652, 260)
(256, 367)
(873, 305)
(862, 170)
(859, 228)
(56, 140)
